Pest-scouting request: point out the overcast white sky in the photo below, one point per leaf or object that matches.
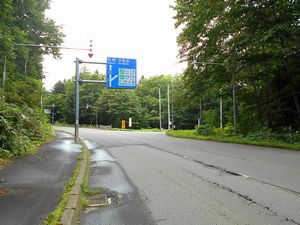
(139, 29)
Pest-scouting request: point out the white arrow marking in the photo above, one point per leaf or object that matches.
(112, 78)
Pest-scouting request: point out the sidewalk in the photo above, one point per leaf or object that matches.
(30, 188)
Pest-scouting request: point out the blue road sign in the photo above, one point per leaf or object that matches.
(120, 73)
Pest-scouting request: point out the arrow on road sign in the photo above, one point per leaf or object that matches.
(112, 78)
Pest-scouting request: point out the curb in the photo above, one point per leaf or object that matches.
(72, 209)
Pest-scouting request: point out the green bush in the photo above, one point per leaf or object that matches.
(21, 128)
(286, 135)
(211, 117)
(225, 131)
(204, 130)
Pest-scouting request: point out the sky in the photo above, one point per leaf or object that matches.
(137, 29)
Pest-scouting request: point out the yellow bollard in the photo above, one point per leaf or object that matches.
(123, 124)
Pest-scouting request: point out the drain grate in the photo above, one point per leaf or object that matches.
(97, 200)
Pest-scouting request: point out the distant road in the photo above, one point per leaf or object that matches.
(181, 181)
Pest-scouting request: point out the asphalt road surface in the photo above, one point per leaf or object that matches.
(165, 180)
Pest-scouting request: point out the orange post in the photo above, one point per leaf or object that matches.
(123, 124)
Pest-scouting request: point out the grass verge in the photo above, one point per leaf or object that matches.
(231, 139)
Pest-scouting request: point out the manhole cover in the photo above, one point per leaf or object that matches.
(97, 200)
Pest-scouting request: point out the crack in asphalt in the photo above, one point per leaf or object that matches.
(247, 198)
(222, 169)
(215, 184)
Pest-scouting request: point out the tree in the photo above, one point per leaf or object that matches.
(183, 112)
(117, 105)
(22, 122)
(257, 46)
(25, 22)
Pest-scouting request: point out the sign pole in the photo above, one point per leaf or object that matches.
(128, 80)
(77, 101)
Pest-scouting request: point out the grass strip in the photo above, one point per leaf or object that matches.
(232, 139)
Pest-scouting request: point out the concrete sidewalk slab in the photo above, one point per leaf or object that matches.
(31, 186)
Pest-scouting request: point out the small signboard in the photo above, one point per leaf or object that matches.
(48, 111)
(130, 122)
(120, 73)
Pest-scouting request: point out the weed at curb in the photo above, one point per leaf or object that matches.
(86, 191)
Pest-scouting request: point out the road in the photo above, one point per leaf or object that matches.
(165, 180)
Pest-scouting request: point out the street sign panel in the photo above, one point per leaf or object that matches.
(120, 73)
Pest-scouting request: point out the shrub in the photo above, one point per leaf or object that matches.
(20, 128)
(204, 130)
(286, 135)
(226, 131)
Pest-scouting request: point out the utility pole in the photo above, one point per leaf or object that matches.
(96, 116)
(200, 113)
(169, 119)
(53, 114)
(4, 73)
(221, 112)
(234, 108)
(172, 109)
(233, 95)
(159, 108)
(221, 108)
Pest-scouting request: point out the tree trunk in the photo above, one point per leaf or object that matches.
(295, 97)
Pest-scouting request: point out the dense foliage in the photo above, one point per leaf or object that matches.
(21, 118)
(21, 128)
(101, 106)
(254, 45)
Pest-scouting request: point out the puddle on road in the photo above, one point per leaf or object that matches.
(64, 135)
(105, 172)
(112, 177)
(89, 144)
(123, 202)
(67, 145)
(101, 155)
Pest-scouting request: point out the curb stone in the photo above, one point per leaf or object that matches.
(73, 207)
